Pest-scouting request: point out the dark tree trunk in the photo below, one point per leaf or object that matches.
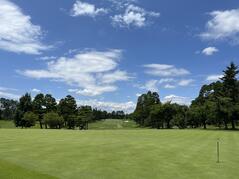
(225, 123)
(204, 125)
(233, 124)
(40, 124)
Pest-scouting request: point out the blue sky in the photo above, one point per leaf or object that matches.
(107, 52)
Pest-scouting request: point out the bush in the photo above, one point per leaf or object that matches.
(53, 120)
(29, 119)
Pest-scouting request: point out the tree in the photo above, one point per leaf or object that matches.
(85, 115)
(18, 118)
(68, 109)
(50, 103)
(53, 120)
(25, 103)
(230, 86)
(39, 107)
(29, 119)
(144, 104)
(8, 108)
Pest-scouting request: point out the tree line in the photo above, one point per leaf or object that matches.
(217, 104)
(45, 110)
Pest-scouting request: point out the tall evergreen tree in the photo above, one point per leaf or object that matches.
(39, 107)
(230, 87)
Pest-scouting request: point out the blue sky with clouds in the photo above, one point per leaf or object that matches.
(107, 52)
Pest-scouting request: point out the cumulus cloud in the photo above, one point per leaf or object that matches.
(17, 33)
(163, 70)
(177, 99)
(133, 16)
(214, 77)
(210, 51)
(89, 71)
(85, 9)
(222, 25)
(127, 107)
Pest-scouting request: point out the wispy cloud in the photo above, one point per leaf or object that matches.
(151, 85)
(185, 82)
(17, 33)
(163, 70)
(212, 78)
(8, 93)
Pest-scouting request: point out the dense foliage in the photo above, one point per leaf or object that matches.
(217, 104)
(43, 109)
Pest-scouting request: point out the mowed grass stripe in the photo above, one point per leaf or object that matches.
(122, 153)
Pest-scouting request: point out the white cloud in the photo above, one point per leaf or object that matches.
(34, 90)
(214, 77)
(115, 76)
(166, 80)
(138, 94)
(17, 33)
(209, 51)
(5, 94)
(177, 99)
(85, 9)
(169, 86)
(127, 107)
(185, 82)
(163, 70)
(222, 25)
(89, 71)
(45, 58)
(151, 85)
(133, 16)
(7, 89)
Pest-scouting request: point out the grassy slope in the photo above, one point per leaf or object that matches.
(117, 154)
(113, 124)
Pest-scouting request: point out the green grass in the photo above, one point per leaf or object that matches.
(128, 154)
(6, 124)
(113, 124)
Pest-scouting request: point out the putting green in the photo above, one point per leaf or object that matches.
(33, 153)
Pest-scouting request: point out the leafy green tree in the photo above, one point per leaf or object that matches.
(24, 106)
(29, 119)
(8, 108)
(18, 118)
(39, 107)
(50, 103)
(53, 120)
(68, 109)
(144, 105)
(85, 115)
(25, 103)
(156, 119)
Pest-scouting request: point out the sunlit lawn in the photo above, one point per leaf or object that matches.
(32, 153)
